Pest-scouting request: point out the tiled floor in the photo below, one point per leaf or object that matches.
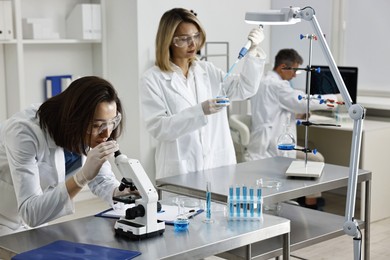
(340, 248)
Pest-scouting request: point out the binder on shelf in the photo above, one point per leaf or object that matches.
(84, 22)
(6, 25)
(39, 28)
(56, 84)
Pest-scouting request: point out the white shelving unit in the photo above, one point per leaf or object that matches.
(24, 63)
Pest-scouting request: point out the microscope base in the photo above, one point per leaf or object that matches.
(137, 231)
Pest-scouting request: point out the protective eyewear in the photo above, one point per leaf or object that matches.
(99, 126)
(186, 40)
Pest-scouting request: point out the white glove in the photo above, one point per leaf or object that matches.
(214, 105)
(256, 36)
(95, 159)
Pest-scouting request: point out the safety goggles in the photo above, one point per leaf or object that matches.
(186, 40)
(99, 126)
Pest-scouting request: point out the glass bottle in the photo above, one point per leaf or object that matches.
(286, 141)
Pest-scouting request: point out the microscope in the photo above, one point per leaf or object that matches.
(140, 221)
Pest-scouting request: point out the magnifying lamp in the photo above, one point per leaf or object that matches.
(356, 112)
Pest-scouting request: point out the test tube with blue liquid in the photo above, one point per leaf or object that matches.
(238, 203)
(231, 204)
(208, 203)
(252, 202)
(258, 209)
(244, 200)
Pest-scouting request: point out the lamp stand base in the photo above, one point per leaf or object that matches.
(310, 170)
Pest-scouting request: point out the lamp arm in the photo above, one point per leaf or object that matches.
(357, 113)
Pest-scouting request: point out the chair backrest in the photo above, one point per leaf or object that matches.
(240, 126)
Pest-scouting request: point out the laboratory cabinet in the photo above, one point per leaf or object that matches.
(40, 47)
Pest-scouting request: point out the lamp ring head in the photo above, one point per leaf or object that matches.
(305, 13)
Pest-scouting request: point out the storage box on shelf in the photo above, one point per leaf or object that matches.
(40, 47)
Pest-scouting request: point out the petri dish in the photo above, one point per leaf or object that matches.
(270, 184)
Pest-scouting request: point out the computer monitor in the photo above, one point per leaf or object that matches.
(324, 83)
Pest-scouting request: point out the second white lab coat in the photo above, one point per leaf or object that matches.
(188, 140)
(271, 107)
(32, 175)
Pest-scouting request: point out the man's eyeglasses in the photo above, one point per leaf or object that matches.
(99, 126)
(186, 40)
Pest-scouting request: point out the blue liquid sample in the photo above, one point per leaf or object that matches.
(244, 203)
(286, 147)
(208, 205)
(258, 202)
(238, 203)
(231, 204)
(222, 101)
(181, 224)
(252, 206)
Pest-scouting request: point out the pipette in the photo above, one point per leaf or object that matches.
(241, 54)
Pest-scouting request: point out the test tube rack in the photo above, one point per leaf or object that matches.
(244, 205)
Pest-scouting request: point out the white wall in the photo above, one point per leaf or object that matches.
(289, 36)
(131, 51)
(3, 103)
(356, 34)
(367, 42)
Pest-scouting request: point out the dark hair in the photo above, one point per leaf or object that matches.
(288, 57)
(67, 116)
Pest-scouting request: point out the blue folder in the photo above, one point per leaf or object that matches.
(65, 250)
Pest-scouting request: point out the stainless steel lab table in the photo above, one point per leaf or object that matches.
(333, 177)
(201, 239)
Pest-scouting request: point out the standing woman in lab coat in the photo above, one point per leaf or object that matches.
(49, 152)
(180, 101)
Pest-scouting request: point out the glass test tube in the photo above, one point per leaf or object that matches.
(208, 201)
(238, 204)
(259, 202)
(251, 194)
(244, 200)
(231, 204)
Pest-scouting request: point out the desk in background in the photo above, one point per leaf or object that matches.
(334, 143)
(315, 226)
(201, 239)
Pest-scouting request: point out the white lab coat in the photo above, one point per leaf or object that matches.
(274, 102)
(188, 140)
(32, 175)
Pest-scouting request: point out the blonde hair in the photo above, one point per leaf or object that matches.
(166, 30)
